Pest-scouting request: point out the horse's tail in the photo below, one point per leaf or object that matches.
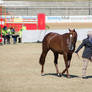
(42, 58)
(45, 49)
(43, 54)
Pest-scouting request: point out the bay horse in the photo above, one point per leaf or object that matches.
(59, 44)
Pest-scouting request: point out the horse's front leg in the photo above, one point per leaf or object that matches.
(56, 63)
(67, 59)
(67, 66)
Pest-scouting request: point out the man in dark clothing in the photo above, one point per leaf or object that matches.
(87, 53)
(14, 35)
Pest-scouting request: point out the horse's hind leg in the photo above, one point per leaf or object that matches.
(56, 63)
(42, 60)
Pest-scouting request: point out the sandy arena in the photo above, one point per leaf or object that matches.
(69, 25)
(20, 71)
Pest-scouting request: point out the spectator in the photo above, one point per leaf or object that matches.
(20, 32)
(0, 30)
(20, 36)
(14, 35)
(23, 27)
(4, 33)
(8, 35)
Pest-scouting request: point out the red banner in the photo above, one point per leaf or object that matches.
(18, 26)
(31, 23)
(41, 21)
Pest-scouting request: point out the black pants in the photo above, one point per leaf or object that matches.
(19, 40)
(5, 38)
(14, 39)
(8, 39)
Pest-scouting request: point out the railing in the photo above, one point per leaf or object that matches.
(53, 11)
(50, 9)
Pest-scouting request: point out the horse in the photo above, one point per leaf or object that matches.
(59, 44)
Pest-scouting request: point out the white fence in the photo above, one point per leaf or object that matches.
(38, 35)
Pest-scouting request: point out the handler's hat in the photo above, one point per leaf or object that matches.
(89, 33)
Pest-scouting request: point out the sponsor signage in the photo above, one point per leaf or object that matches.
(61, 19)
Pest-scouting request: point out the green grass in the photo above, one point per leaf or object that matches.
(48, 0)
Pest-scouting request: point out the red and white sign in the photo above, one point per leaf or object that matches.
(31, 22)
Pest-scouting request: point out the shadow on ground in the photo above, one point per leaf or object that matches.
(64, 75)
(89, 77)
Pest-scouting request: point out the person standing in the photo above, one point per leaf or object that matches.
(4, 33)
(87, 53)
(20, 32)
(20, 36)
(8, 35)
(14, 36)
(23, 28)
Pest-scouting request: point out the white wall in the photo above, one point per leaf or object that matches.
(38, 35)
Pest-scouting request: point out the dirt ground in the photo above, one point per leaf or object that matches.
(69, 25)
(20, 71)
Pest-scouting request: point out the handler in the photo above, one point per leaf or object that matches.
(87, 53)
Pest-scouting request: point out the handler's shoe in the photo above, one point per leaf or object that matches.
(85, 77)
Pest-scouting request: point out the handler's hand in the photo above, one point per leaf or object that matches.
(77, 55)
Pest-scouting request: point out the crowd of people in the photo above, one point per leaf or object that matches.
(10, 33)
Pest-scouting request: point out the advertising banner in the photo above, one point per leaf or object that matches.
(61, 19)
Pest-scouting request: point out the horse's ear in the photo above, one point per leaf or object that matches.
(69, 29)
(74, 30)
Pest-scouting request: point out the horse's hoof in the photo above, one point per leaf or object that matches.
(68, 77)
(42, 74)
(59, 75)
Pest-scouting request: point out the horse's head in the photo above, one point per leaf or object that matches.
(73, 35)
(73, 38)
